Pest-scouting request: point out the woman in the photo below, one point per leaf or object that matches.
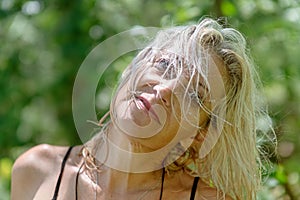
(182, 126)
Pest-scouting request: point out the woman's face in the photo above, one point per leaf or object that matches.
(162, 101)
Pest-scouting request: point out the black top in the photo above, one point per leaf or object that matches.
(193, 191)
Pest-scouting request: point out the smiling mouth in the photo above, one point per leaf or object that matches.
(143, 104)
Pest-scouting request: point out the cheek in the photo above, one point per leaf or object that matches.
(190, 113)
(193, 117)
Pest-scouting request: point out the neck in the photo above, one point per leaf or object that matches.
(127, 154)
(125, 142)
(127, 164)
(118, 182)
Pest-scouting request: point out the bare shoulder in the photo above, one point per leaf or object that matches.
(33, 167)
(39, 158)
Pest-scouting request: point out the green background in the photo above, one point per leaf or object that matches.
(44, 42)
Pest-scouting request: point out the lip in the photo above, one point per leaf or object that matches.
(143, 103)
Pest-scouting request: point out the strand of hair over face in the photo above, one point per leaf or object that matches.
(234, 164)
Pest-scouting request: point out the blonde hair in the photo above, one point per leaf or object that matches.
(234, 164)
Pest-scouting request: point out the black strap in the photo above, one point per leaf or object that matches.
(162, 183)
(61, 173)
(194, 188)
(76, 183)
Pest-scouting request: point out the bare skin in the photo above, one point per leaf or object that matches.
(35, 174)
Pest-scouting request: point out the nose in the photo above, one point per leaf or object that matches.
(163, 92)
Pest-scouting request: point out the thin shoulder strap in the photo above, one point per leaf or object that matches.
(76, 183)
(162, 183)
(61, 173)
(194, 188)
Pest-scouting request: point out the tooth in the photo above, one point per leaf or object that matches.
(139, 104)
(136, 103)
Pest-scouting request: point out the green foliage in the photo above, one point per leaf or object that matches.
(43, 44)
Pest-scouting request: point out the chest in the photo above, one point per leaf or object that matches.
(85, 188)
(89, 191)
(143, 195)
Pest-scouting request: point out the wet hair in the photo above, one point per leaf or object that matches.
(234, 165)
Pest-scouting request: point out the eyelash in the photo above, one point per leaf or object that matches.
(196, 97)
(162, 64)
(166, 68)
